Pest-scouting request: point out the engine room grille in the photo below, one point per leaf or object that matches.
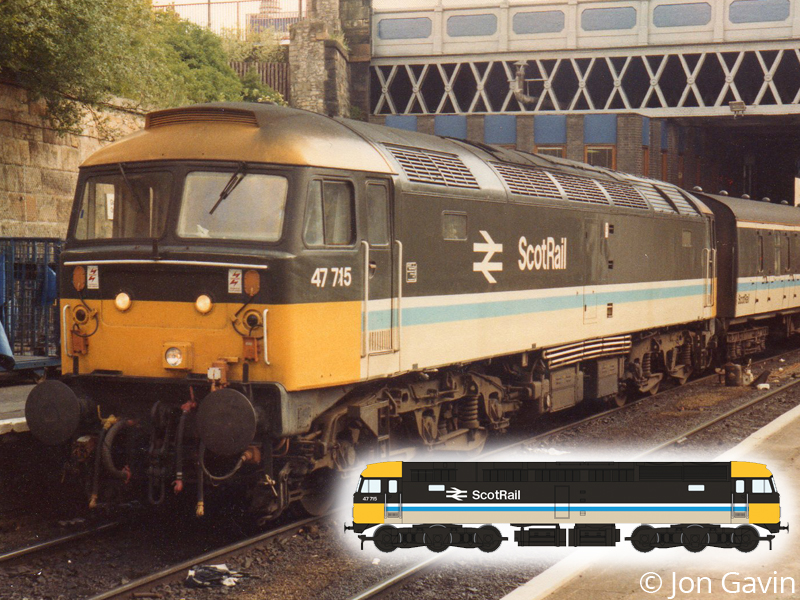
(579, 351)
(656, 200)
(624, 195)
(580, 189)
(437, 168)
(528, 182)
(200, 115)
(680, 202)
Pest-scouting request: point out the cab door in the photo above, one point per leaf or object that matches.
(380, 345)
(394, 501)
(739, 505)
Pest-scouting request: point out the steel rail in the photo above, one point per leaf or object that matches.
(722, 417)
(59, 541)
(395, 581)
(175, 572)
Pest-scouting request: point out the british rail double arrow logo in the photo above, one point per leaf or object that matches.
(486, 266)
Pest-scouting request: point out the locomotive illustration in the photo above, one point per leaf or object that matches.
(263, 297)
(691, 504)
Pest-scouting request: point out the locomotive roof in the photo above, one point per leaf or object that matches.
(755, 211)
(247, 132)
(267, 133)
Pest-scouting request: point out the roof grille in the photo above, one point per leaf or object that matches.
(678, 199)
(624, 195)
(200, 115)
(655, 199)
(528, 182)
(438, 168)
(581, 189)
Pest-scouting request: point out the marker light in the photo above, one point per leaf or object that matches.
(79, 278)
(173, 356)
(203, 304)
(122, 301)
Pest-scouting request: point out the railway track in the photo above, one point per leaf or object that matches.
(397, 581)
(139, 588)
(57, 541)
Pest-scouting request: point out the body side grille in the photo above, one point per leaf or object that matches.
(437, 168)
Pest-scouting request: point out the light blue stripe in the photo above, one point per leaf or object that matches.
(427, 315)
(574, 507)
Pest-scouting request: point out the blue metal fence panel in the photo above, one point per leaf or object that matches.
(28, 294)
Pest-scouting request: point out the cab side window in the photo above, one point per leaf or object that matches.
(330, 214)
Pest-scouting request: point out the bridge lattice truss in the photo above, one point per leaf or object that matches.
(679, 82)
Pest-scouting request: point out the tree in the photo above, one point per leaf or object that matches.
(77, 53)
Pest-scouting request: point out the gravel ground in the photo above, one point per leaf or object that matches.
(653, 420)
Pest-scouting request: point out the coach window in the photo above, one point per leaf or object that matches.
(760, 252)
(740, 486)
(330, 214)
(777, 244)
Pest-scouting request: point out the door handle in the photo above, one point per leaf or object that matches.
(372, 268)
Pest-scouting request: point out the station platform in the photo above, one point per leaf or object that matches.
(622, 573)
(12, 408)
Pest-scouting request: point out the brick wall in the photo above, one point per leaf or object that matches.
(39, 167)
(575, 137)
(629, 144)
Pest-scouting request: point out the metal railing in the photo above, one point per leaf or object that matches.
(238, 15)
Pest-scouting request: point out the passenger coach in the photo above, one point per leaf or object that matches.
(693, 505)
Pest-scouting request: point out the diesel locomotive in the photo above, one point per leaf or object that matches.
(259, 298)
(701, 504)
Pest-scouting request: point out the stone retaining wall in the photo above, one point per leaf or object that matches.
(39, 167)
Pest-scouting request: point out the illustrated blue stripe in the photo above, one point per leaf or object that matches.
(573, 507)
(427, 315)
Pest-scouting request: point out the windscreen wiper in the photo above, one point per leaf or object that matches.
(235, 180)
(131, 188)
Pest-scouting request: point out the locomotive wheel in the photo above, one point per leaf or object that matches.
(437, 538)
(644, 538)
(746, 538)
(318, 500)
(488, 538)
(619, 399)
(695, 538)
(386, 538)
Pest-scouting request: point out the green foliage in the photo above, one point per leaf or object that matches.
(196, 63)
(80, 53)
(81, 49)
(253, 90)
(255, 46)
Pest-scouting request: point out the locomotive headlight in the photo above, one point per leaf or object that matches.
(203, 304)
(173, 356)
(122, 301)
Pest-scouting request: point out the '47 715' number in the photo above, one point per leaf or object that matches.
(340, 277)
